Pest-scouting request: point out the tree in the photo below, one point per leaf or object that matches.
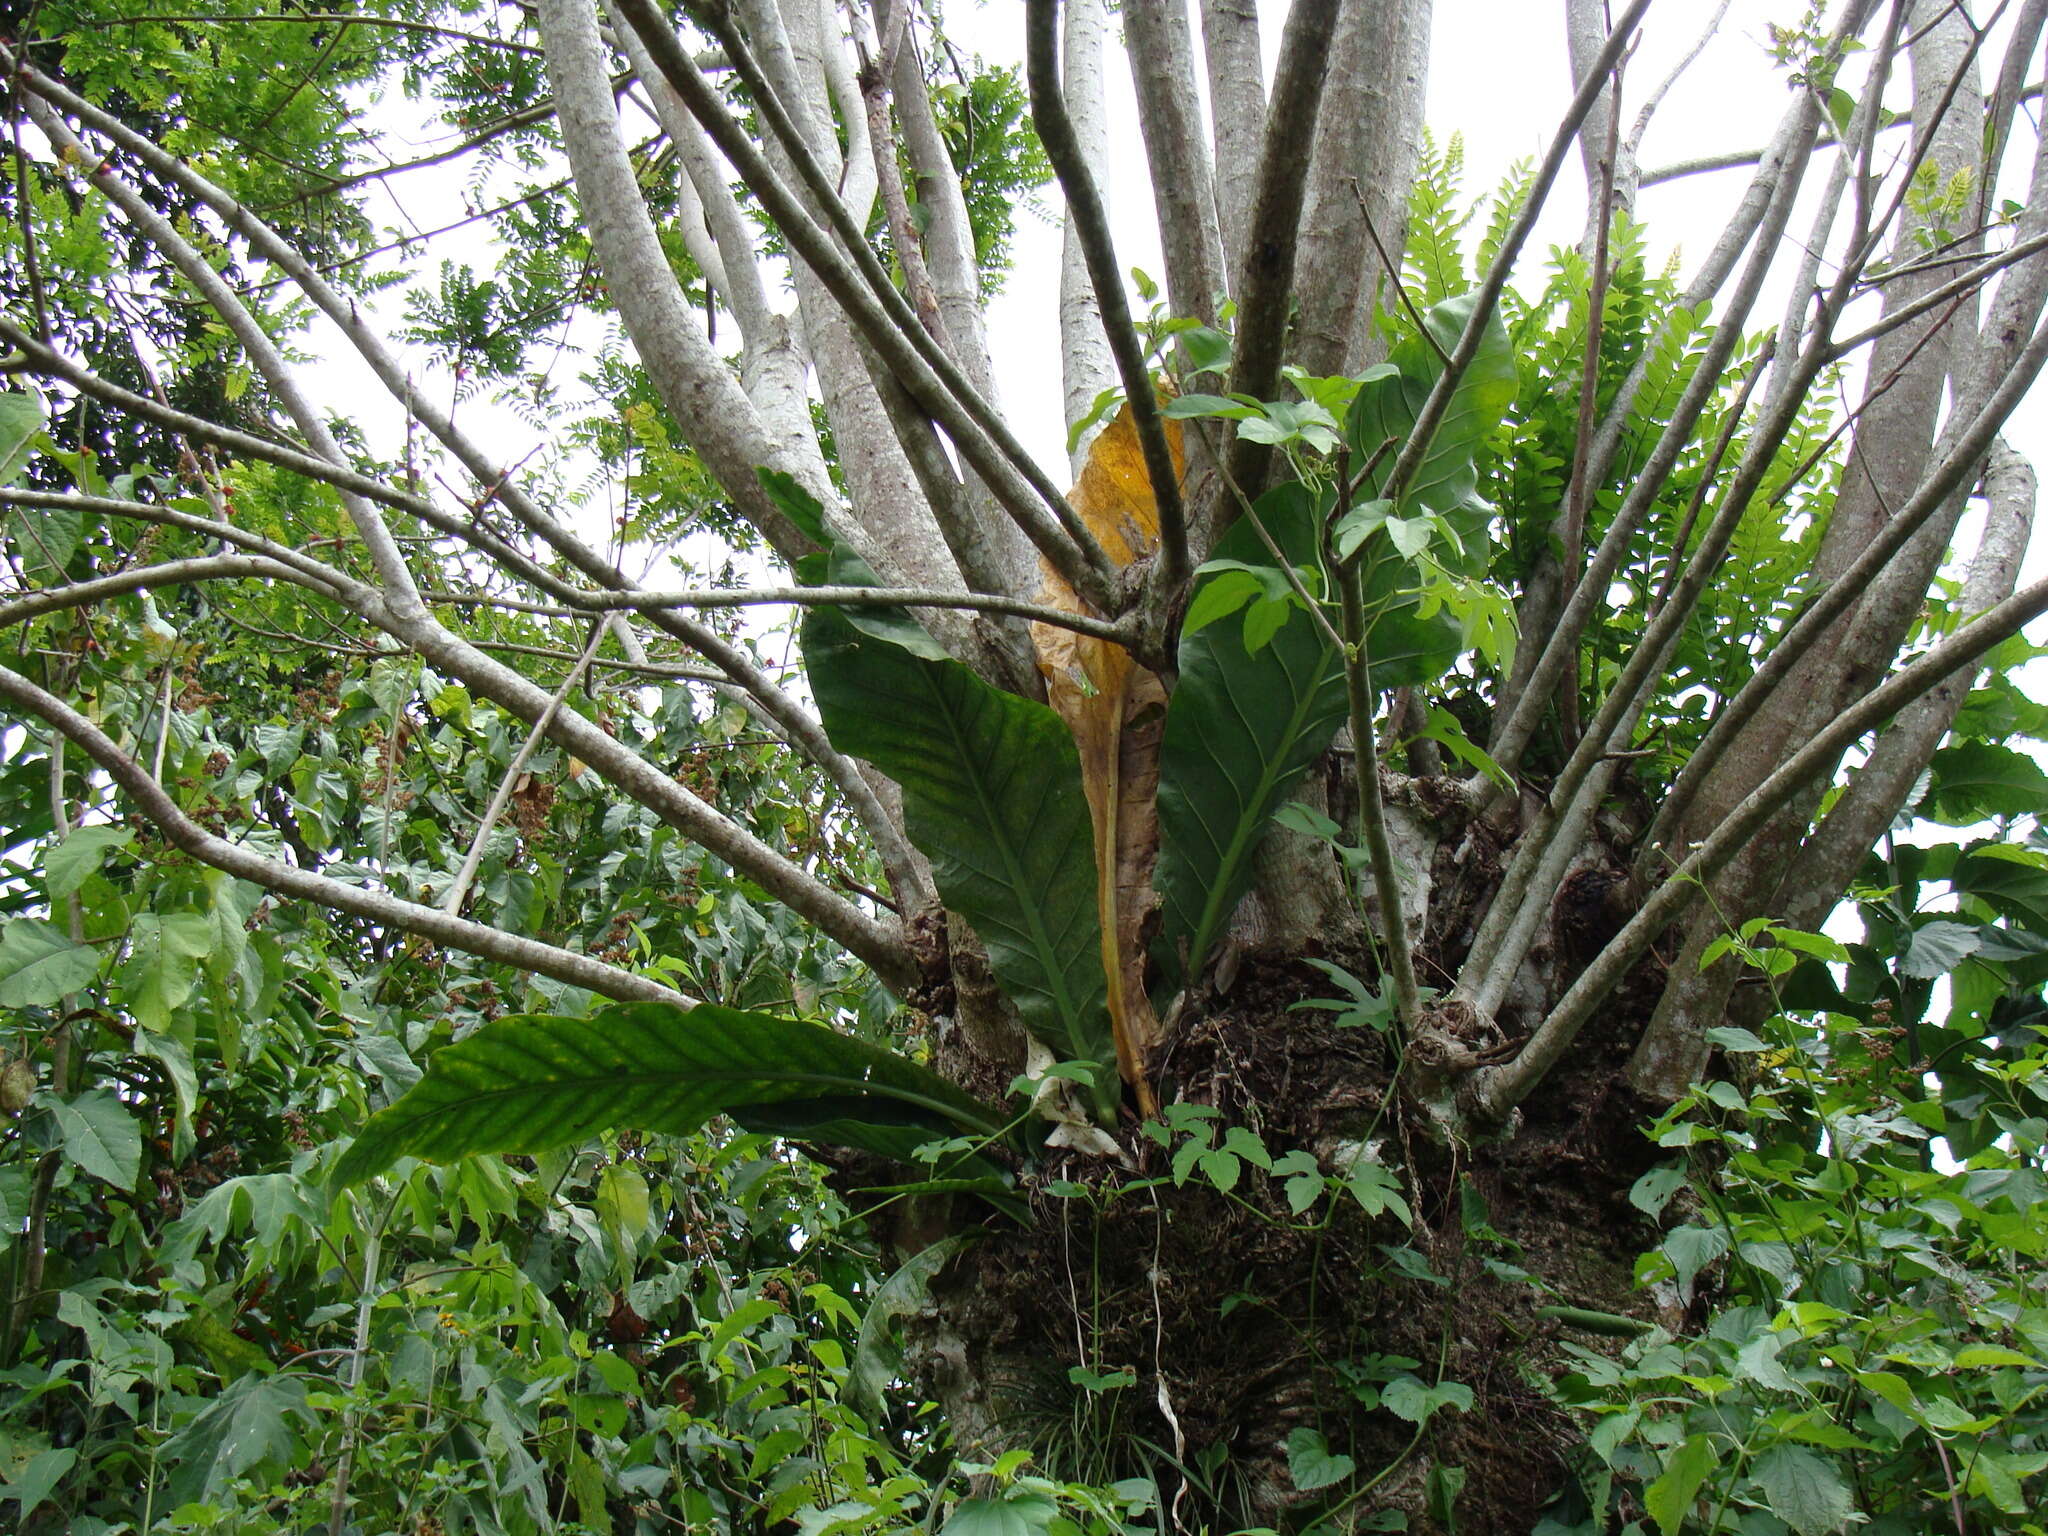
(1223, 927)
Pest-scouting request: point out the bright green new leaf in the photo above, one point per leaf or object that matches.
(39, 966)
(1411, 1398)
(534, 1082)
(992, 795)
(1312, 1464)
(1021, 1516)
(622, 1203)
(1186, 407)
(1670, 1498)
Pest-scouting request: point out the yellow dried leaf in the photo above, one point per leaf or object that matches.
(1115, 710)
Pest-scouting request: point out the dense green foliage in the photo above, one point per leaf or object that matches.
(238, 1301)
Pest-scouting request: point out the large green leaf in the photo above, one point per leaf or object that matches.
(249, 1423)
(100, 1135)
(992, 795)
(163, 964)
(1244, 725)
(1804, 1489)
(1975, 780)
(40, 966)
(879, 1355)
(538, 1081)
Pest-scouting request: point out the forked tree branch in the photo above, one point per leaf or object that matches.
(1967, 445)
(508, 784)
(1491, 1093)
(1090, 223)
(408, 621)
(1263, 283)
(1881, 786)
(165, 573)
(872, 303)
(309, 571)
(1559, 651)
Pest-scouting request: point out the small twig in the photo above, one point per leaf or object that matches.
(1712, 468)
(1393, 270)
(1493, 1091)
(1372, 814)
(1656, 97)
(1955, 289)
(1294, 581)
(24, 199)
(1577, 490)
(509, 784)
(575, 603)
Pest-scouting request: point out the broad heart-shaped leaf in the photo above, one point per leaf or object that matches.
(992, 795)
(100, 1136)
(537, 1081)
(163, 964)
(1244, 726)
(1392, 397)
(1974, 780)
(39, 966)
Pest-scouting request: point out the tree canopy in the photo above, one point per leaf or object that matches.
(621, 914)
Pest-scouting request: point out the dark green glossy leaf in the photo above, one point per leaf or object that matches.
(1392, 397)
(1246, 723)
(992, 795)
(538, 1081)
(1974, 780)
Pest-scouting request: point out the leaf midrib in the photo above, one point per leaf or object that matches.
(597, 1081)
(1040, 936)
(1198, 946)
